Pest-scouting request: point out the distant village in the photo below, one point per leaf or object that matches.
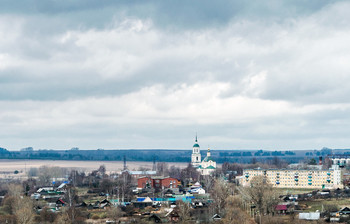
(311, 191)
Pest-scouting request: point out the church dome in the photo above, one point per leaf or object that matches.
(196, 143)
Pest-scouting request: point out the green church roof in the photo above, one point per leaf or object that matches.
(208, 158)
(195, 145)
(210, 167)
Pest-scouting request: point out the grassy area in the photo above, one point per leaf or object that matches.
(99, 214)
(2, 212)
(317, 204)
(94, 199)
(81, 190)
(284, 191)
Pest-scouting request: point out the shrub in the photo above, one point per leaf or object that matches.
(95, 216)
(103, 215)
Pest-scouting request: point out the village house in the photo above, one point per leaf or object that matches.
(157, 182)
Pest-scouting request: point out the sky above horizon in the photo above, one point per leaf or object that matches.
(150, 74)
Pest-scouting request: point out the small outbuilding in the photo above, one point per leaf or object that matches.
(216, 217)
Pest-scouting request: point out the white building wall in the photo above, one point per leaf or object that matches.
(289, 178)
(196, 156)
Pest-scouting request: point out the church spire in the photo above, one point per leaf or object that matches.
(196, 143)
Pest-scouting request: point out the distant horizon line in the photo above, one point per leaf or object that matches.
(135, 149)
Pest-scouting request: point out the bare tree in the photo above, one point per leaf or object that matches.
(217, 173)
(24, 212)
(232, 167)
(106, 185)
(29, 186)
(70, 210)
(63, 218)
(114, 214)
(183, 209)
(102, 170)
(279, 163)
(21, 207)
(208, 182)
(234, 213)
(220, 192)
(261, 194)
(175, 172)
(124, 185)
(92, 180)
(189, 174)
(46, 173)
(162, 169)
(272, 219)
(12, 202)
(143, 169)
(14, 190)
(70, 215)
(32, 172)
(47, 216)
(8, 204)
(76, 178)
(327, 163)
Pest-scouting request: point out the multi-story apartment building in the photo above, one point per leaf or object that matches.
(341, 160)
(291, 178)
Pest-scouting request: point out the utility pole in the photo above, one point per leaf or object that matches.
(154, 164)
(125, 167)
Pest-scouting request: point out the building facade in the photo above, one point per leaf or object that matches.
(290, 178)
(208, 165)
(205, 167)
(157, 182)
(341, 160)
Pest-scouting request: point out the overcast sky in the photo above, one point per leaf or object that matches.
(150, 74)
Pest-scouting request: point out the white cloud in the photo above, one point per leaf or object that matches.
(276, 80)
(184, 105)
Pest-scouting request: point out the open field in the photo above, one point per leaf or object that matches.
(317, 204)
(111, 166)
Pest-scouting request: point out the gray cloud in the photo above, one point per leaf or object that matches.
(243, 74)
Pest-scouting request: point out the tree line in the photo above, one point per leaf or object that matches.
(161, 155)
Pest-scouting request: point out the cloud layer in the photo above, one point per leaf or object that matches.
(150, 75)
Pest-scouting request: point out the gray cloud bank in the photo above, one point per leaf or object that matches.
(149, 74)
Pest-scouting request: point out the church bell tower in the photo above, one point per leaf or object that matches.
(196, 154)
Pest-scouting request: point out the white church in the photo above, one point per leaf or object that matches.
(205, 167)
